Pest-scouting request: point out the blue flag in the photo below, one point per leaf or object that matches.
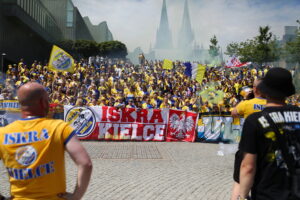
(188, 69)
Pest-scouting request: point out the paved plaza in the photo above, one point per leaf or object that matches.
(152, 171)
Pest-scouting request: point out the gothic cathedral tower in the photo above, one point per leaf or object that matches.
(186, 35)
(163, 36)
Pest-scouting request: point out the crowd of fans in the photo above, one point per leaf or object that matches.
(119, 83)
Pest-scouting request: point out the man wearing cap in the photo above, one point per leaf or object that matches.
(263, 170)
(244, 109)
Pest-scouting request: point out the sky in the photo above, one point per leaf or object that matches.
(135, 22)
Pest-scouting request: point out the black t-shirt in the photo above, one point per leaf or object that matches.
(271, 179)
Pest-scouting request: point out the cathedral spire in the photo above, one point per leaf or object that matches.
(186, 35)
(163, 36)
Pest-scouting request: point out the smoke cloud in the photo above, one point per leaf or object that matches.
(135, 22)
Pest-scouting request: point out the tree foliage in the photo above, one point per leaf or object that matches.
(261, 49)
(213, 47)
(67, 45)
(85, 48)
(113, 49)
(232, 49)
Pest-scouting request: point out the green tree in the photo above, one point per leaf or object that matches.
(261, 49)
(86, 48)
(232, 49)
(113, 49)
(67, 45)
(213, 47)
(247, 51)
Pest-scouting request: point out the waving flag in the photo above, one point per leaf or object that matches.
(211, 95)
(235, 62)
(195, 71)
(61, 60)
(198, 72)
(188, 69)
(168, 64)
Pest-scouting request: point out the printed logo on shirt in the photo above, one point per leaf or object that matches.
(258, 107)
(82, 119)
(26, 155)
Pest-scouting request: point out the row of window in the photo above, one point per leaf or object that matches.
(39, 14)
(70, 14)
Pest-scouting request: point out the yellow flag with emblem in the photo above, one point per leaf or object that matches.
(60, 60)
(168, 64)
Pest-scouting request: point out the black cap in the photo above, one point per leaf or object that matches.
(278, 83)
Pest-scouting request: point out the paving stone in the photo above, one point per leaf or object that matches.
(152, 171)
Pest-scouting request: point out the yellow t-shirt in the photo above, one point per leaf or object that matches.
(32, 150)
(247, 107)
(253, 72)
(164, 105)
(185, 108)
(18, 83)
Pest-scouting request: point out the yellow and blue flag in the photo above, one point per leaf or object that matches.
(198, 72)
(60, 60)
(195, 71)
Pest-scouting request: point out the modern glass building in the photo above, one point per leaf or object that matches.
(68, 19)
(290, 33)
(29, 28)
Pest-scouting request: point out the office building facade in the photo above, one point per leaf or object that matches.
(29, 28)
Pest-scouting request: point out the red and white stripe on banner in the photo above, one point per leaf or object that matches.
(110, 123)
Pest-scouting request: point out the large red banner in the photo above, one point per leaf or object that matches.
(110, 123)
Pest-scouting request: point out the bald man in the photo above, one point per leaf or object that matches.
(247, 107)
(32, 150)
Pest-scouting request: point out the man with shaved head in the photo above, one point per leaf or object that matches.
(247, 107)
(32, 150)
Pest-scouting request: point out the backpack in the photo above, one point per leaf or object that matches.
(289, 144)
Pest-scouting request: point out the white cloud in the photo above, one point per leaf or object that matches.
(135, 22)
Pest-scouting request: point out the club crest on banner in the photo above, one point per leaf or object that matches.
(82, 119)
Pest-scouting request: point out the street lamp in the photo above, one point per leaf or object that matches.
(2, 61)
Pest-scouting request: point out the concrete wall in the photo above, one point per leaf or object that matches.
(82, 31)
(100, 32)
